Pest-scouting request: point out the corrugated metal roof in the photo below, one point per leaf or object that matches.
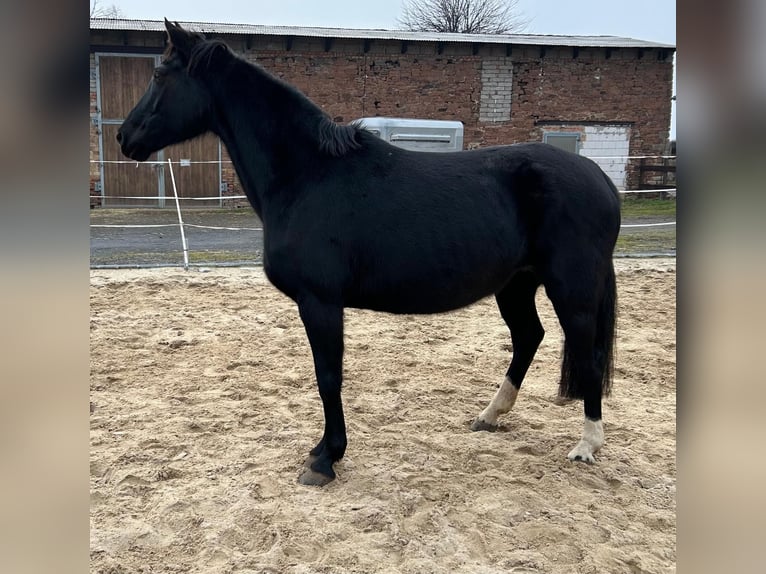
(298, 31)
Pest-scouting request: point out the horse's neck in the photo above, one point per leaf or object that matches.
(242, 123)
(250, 164)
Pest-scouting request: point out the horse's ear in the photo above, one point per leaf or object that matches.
(182, 40)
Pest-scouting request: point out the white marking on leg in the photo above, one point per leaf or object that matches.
(502, 402)
(592, 440)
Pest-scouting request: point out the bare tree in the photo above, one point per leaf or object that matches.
(97, 10)
(464, 16)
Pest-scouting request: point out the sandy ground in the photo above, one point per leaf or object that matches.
(204, 408)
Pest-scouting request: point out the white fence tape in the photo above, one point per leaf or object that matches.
(186, 163)
(221, 197)
(666, 223)
(228, 161)
(158, 197)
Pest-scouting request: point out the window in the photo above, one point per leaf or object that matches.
(569, 141)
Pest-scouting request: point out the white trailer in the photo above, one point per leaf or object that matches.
(419, 135)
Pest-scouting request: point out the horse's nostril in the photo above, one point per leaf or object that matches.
(119, 137)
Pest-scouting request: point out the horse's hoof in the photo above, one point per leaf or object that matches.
(582, 453)
(313, 478)
(480, 425)
(588, 459)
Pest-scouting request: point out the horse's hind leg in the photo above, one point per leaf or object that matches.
(517, 306)
(584, 300)
(580, 369)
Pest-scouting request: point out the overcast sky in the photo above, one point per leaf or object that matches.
(653, 20)
(646, 20)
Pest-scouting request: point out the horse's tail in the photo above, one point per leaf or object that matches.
(571, 385)
(606, 333)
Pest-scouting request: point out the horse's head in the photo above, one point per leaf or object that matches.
(175, 107)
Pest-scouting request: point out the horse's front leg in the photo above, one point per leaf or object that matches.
(324, 327)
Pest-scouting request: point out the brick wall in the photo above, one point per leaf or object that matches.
(587, 86)
(618, 88)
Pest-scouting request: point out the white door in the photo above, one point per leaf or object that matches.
(609, 147)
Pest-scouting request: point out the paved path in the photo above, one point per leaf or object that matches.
(135, 246)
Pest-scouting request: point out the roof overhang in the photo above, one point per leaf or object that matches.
(127, 25)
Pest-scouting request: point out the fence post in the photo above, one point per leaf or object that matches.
(180, 220)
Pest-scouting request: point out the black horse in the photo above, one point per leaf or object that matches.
(351, 221)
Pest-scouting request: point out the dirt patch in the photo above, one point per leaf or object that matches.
(204, 408)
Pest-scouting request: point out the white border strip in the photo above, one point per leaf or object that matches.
(647, 224)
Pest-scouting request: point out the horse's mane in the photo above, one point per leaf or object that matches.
(332, 138)
(203, 53)
(336, 139)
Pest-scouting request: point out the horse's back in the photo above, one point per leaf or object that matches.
(499, 197)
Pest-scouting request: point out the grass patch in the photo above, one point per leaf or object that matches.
(648, 240)
(241, 217)
(639, 207)
(176, 258)
(223, 257)
(632, 207)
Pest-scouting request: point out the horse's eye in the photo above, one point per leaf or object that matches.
(157, 75)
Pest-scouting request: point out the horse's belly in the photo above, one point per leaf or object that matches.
(429, 290)
(403, 305)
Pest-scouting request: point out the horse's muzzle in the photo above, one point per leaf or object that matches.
(132, 149)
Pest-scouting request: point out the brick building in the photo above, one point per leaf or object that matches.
(603, 96)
